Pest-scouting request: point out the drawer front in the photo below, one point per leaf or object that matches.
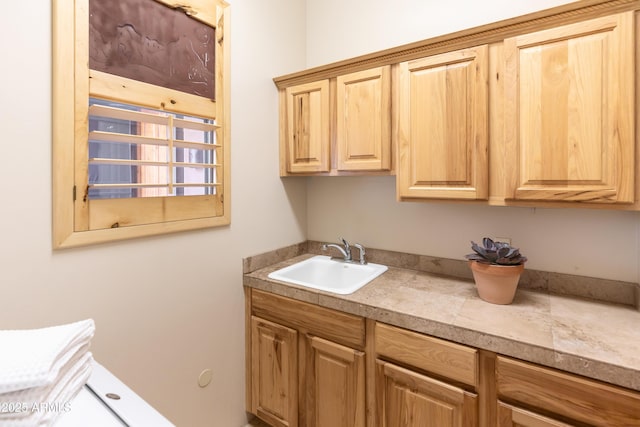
(511, 416)
(343, 328)
(565, 394)
(433, 355)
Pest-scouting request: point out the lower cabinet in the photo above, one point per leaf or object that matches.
(274, 372)
(423, 381)
(409, 399)
(334, 383)
(307, 367)
(310, 366)
(560, 396)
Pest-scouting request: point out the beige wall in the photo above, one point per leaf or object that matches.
(576, 241)
(165, 307)
(363, 26)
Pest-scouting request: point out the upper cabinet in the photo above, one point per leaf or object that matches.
(442, 126)
(569, 112)
(537, 110)
(363, 120)
(307, 135)
(338, 125)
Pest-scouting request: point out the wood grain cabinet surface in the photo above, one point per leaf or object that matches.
(427, 389)
(511, 416)
(569, 112)
(537, 110)
(335, 385)
(363, 120)
(274, 371)
(301, 369)
(445, 359)
(308, 365)
(307, 138)
(337, 126)
(443, 126)
(565, 397)
(408, 399)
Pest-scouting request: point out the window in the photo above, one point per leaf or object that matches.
(140, 119)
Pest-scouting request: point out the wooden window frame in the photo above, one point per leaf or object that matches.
(74, 223)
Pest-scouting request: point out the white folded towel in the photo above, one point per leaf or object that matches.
(41, 371)
(34, 358)
(27, 398)
(41, 406)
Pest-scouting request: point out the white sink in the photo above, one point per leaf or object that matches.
(323, 273)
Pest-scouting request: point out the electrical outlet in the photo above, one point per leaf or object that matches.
(502, 239)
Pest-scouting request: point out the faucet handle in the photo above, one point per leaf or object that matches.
(363, 260)
(347, 247)
(344, 242)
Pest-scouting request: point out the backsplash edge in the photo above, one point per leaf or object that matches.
(606, 290)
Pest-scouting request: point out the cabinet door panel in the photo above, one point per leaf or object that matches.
(409, 399)
(335, 385)
(442, 126)
(510, 416)
(569, 122)
(274, 373)
(363, 127)
(308, 138)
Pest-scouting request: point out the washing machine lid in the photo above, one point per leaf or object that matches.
(105, 401)
(88, 409)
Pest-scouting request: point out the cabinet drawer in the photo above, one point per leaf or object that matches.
(343, 328)
(436, 356)
(565, 394)
(510, 416)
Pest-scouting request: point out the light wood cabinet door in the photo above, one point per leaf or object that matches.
(442, 126)
(274, 372)
(511, 416)
(569, 112)
(363, 125)
(335, 385)
(308, 138)
(408, 399)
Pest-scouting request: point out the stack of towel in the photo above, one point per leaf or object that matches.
(41, 371)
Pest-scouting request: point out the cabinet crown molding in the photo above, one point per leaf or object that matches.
(484, 34)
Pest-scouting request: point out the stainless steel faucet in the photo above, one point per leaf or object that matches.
(346, 252)
(363, 253)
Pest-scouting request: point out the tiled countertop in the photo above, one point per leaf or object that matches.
(597, 339)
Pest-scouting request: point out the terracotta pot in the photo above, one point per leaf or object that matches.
(496, 283)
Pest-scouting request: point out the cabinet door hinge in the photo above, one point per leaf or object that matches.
(74, 193)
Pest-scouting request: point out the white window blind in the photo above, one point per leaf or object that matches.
(140, 152)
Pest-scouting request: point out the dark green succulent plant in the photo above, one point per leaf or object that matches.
(499, 253)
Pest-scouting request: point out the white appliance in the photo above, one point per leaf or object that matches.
(105, 401)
